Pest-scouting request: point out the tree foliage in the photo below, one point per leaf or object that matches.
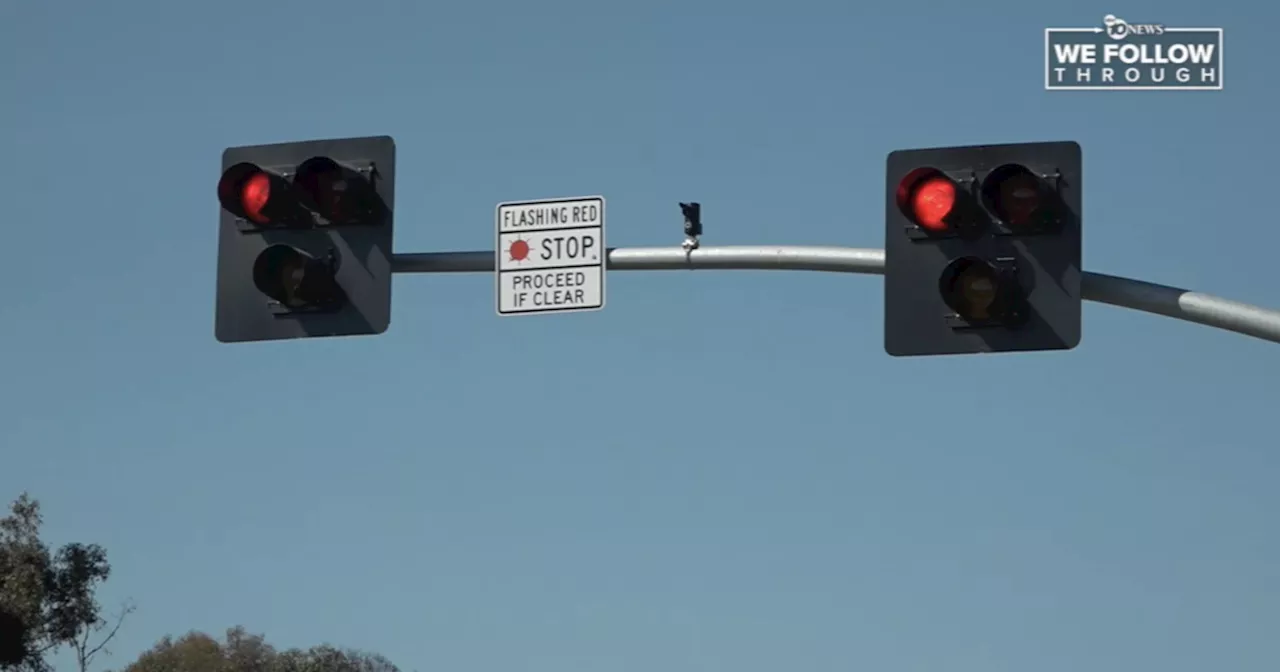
(241, 651)
(48, 599)
(48, 602)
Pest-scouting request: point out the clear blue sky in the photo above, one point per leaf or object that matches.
(720, 471)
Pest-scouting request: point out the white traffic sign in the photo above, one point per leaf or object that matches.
(551, 256)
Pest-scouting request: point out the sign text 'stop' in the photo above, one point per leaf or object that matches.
(568, 214)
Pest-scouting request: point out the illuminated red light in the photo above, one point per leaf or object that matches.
(932, 199)
(254, 196)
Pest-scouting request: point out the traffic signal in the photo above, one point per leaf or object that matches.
(305, 239)
(982, 249)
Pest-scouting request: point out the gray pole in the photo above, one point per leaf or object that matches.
(1172, 302)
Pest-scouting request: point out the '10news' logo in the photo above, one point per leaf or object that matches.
(1123, 56)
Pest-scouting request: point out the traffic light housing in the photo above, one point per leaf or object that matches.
(305, 239)
(983, 249)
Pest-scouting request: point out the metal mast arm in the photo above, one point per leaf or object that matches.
(1148, 297)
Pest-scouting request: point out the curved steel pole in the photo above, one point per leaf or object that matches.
(1148, 297)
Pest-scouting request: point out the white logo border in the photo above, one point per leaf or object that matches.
(1222, 64)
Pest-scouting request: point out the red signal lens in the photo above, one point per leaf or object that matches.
(932, 199)
(338, 193)
(326, 183)
(1015, 195)
(260, 196)
(254, 196)
(1019, 197)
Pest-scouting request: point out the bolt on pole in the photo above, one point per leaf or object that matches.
(1179, 304)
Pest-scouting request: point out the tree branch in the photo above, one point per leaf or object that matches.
(80, 642)
(86, 654)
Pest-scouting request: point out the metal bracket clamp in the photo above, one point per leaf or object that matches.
(692, 226)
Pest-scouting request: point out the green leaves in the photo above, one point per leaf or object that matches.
(245, 652)
(69, 590)
(47, 600)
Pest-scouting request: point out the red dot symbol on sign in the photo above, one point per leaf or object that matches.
(519, 250)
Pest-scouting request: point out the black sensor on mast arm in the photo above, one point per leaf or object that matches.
(692, 225)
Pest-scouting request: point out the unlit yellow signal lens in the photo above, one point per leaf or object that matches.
(971, 287)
